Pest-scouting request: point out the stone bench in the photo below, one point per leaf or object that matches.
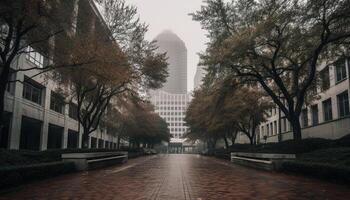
(87, 161)
(267, 161)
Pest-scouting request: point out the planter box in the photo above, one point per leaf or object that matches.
(87, 161)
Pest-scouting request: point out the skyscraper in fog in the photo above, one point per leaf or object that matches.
(198, 78)
(177, 58)
(172, 100)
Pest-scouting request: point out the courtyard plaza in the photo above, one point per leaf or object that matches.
(178, 176)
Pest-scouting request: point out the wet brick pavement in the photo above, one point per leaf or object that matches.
(179, 177)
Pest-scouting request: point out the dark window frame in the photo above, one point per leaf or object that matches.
(327, 110)
(343, 107)
(32, 91)
(57, 102)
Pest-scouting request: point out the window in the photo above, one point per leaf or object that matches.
(267, 129)
(271, 127)
(305, 118)
(32, 91)
(343, 104)
(325, 84)
(340, 70)
(10, 87)
(327, 110)
(275, 126)
(314, 110)
(313, 88)
(73, 111)
(284, 121)
(57, 102)
(35, 57)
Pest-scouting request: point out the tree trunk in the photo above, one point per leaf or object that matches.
(2, 112)
(118, 143)
(226, 142)
(85, 139)
(233, 137)
(3, 85)
(296, 128)
(251, 139)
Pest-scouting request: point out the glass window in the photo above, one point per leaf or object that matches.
(32, 91)
(284, 121)
(314, 110)
(340, 70)
(325, 84)
(35, 57)
(305, 118)
(327, 109)
(343, 104)
(57, 102)
(73, 111)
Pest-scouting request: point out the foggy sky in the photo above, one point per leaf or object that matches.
(173, 14)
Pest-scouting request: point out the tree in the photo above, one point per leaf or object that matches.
(120, 65)
(224, 107)
(144, 126)
(276, 43)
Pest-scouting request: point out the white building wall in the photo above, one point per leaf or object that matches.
(20, 107)
(332, 129)
(172, 108)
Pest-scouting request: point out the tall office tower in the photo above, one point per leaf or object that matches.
(171, 101)
(177, 58)
(198, 78)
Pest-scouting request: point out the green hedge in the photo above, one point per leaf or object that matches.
(16, 175)
(318, 170)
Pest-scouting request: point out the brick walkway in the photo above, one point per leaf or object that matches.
(179, 177)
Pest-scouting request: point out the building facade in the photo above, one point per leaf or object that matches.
(172, 108)
(198, 77)
(176, 51)
(172, 99)
(328, 116)
(37, 115)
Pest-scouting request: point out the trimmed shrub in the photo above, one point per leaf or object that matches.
(318, 170)
(289, 146)
(16, 175)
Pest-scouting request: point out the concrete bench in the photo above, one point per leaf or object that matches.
(87, 161)
(267, 161)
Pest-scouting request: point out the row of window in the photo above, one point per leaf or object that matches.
(340, 74)
(171, 103)
(170, 108)
(343, 111)
(178, 129)
(342, 106)
(172, 113)
(33, 92)
(35, 57)
(176, 124)
(173, 119)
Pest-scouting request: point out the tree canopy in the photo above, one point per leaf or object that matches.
(276, 43)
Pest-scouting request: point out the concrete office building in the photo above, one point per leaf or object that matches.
(172, 108)
(37, 117)
(327, 117)
(171, 101)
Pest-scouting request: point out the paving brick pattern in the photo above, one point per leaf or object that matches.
(171, 177)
